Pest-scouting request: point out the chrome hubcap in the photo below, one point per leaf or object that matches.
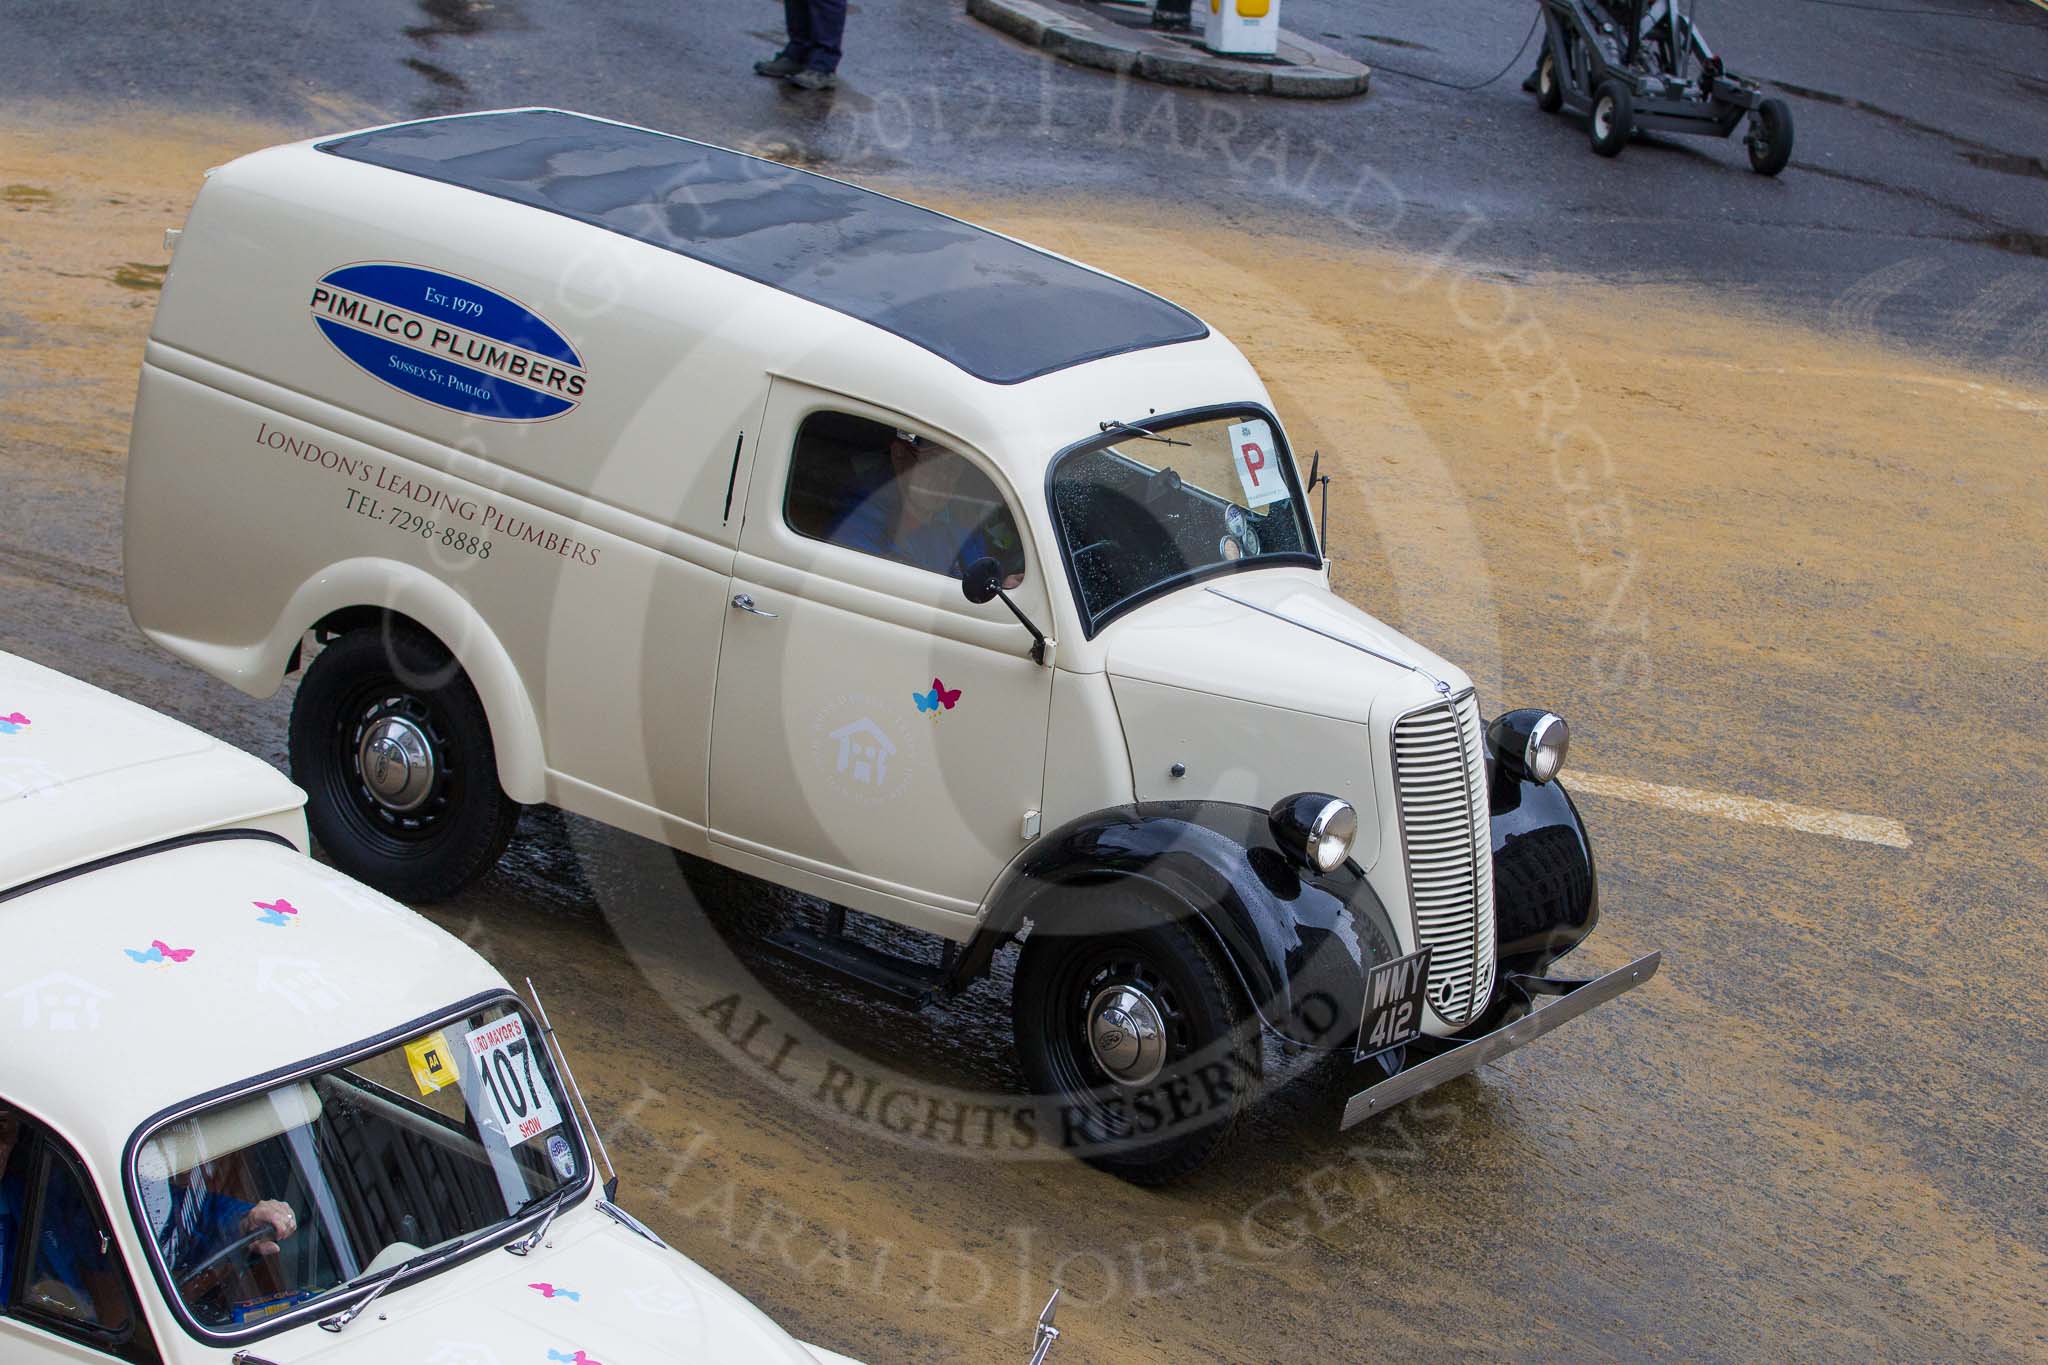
(396, 762)
(1603, 117)
(1127, 1034)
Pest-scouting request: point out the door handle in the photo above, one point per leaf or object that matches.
(745, 602)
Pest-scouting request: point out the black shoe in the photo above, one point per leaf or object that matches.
(777, 65)
(810, 79)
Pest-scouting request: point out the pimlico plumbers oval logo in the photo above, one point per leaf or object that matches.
(449, 341)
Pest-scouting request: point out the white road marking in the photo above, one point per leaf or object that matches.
(1866, 829)
(1966, 388)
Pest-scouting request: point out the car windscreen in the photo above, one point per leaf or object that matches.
(1140, 512)
(266, 1202)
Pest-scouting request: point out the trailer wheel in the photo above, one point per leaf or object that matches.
(1138, 1044)
(1770, 137)
(1613, 112)
(391, 743)
(1549, 93)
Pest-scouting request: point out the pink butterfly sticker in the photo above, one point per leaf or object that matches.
(276, 912)
(159, 951)
(940, 697)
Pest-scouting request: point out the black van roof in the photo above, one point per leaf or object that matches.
(998, 309)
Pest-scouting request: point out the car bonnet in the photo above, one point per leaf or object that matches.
(143, 984)
(1278, 637)
(594, 1294)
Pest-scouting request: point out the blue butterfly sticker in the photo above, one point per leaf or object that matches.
(939, 697)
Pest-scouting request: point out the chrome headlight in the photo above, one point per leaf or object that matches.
(1531, 744)
(1316, 829)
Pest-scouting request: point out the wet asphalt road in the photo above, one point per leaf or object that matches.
(1814, 1138)
(1918, 205)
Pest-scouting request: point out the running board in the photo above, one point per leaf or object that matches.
(906, 982)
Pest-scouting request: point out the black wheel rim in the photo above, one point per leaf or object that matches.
(393, 833)
(1082, 1081)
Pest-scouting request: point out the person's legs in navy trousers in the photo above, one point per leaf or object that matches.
(816, 28)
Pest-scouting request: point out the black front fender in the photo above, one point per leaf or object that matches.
(1300, 942)
(1546, 891)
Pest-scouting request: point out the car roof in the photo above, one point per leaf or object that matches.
(84, 773)
(140, 984)
(999, 309)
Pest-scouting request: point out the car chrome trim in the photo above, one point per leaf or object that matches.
(1537, 734)
(1319, 829)
(629, 1222)
(1047, 1334)
(1127, 1034)
(514, 1226)
(397, 763)
(547, 1030)
(1575, 998)
(1481, 940)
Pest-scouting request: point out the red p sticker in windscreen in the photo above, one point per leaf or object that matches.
(1257, 460)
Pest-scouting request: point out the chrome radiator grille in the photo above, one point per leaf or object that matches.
(1440, 783)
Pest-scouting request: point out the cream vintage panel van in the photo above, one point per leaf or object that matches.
(856, 548)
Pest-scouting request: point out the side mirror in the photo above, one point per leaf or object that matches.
(982, 581)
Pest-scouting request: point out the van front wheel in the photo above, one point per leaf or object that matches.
(1137, 1041)
(392, 745)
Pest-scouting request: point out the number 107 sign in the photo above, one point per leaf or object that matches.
(519, 1104)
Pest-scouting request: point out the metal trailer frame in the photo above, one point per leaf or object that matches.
(1669, 78)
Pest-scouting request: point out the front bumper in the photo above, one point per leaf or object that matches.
(1574, 998)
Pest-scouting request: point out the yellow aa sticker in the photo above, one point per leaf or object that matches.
(433, 1065)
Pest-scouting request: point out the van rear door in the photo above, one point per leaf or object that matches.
(871, 726)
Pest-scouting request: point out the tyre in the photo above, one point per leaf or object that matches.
(1770, 137)
(393, 748)
(1138, 1043)
(1612, 115)
(1549, 90)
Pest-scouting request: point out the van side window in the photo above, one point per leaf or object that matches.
(893, 494)
(59, 1264)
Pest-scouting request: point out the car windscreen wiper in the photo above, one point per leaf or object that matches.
(420, 1262)
(1142, 433)
(555, 1199)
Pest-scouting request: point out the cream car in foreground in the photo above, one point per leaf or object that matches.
(249, 1105)
(856, 548)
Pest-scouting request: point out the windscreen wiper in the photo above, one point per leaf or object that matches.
(419, 1262)
(1142, 433)
(533, 1239)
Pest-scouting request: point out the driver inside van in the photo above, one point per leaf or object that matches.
(916, 516)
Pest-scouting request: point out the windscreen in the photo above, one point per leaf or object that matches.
(264, 1203)
(1142, 511)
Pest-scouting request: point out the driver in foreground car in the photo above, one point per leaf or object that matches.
(190, 1222)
